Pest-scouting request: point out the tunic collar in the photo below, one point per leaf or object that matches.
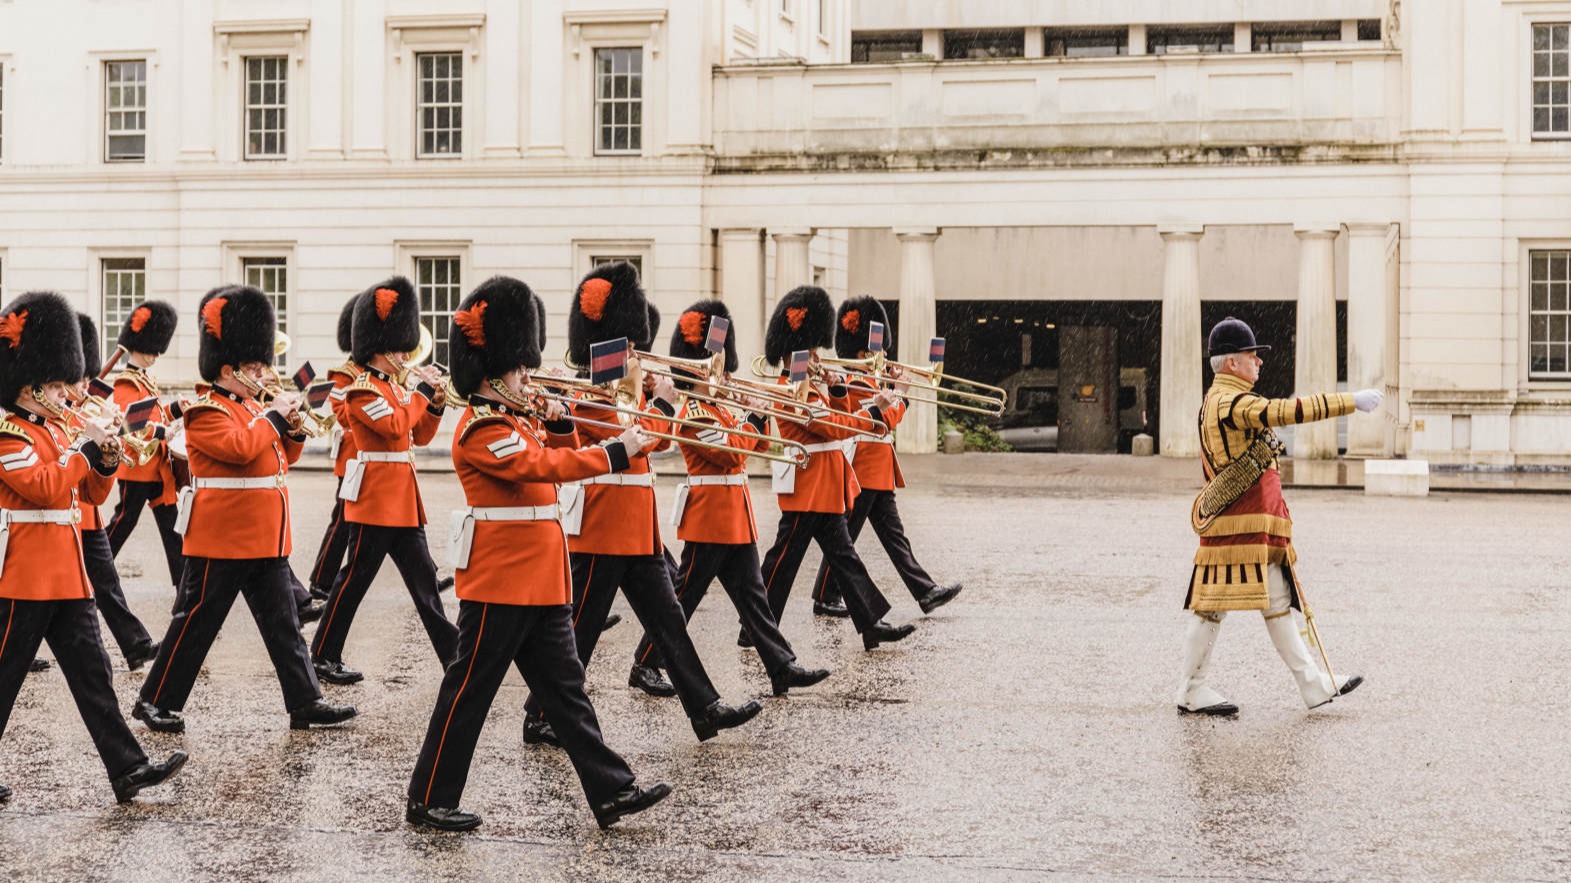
(1229, 381)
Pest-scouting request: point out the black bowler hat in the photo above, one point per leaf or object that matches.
(1232, 336)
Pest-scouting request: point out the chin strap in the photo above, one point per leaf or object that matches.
(44, 401)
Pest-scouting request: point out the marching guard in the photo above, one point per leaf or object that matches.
(46, 476)
(235, 517)
(714, 519)
(136, 645)
(381, 495)
(612, 526)
(1246, 556)
(814, 500)
(512, 565)
(877, 473)
(144, 338)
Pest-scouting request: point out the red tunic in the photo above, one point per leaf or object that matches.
(828, 484)
(507, 460)
(342, 376)
(43, 562)
(386, 418)
(877, 467)
(133, 385)
(620, 519)
(228, 436)
(717, 513)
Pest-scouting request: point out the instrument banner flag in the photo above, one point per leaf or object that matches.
(608, 361)
(719, 327)
(139, 413)
(935, 350)
(304, 376)
(318, 394)
(799, 360)
(100, 387)
(875, 337)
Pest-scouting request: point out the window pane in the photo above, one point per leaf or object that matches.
(439, 99)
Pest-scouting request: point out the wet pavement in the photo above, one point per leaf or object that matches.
(1025, 731)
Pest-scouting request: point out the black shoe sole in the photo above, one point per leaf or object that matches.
(825, 610)
(656, 794)
(709, 731)
(782, 688)
(665, 692)
(420, 821)
(321, 725)
(872, 643)
(1210, 711)
(135, 663)
(176, 727)
(534, 738)
(340, 680)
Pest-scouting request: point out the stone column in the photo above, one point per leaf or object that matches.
(793, 264)
(1315, 365)
(1368, 328)
(1182, 339)
(742, 290)
(918, 324)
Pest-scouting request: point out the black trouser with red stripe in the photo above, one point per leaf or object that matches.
(71, 628)
(128, 631)
(539, 641)
(335, 542)
(134, 495)
(646, 581)
(206, 594)
(878, 507)
(800, 529)
(369, 544)
(736, 566)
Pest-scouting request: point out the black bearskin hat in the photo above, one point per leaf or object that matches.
(149, 328)
(608, 304)
(92, 353)
(540, 320)
(387, 320)
(494, 332)
(346, 325)
(803, 320)
(648, 343)
(692, 329)
(856, 316)
(40, 342)
(237, 327)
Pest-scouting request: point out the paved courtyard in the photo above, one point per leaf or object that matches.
(1025, 731)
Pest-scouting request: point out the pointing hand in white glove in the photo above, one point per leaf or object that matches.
(1368, 399)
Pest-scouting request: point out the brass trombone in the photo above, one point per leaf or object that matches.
(614, 399)
(925, 385)
(724, 389)
(799, 391)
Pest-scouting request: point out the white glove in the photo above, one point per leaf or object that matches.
(1368, 399)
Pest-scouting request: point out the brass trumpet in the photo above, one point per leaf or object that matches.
(96, 409)
(614, 399)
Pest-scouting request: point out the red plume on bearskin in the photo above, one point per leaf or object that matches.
(692, 332)
(213, 317)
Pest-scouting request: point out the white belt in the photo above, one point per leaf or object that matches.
(513, 513)
(826, 446)
(260, 482)
(387, 456)
(885, 439)
(646, 479)
(702, 480)
(72, 515)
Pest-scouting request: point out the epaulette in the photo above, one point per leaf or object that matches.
(481, 414)
(203, 401)
(348, 369)
(363, 383)
(12, 429)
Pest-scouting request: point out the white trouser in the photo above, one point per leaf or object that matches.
(1313, 684)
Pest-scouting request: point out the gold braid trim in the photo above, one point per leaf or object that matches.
(1217, 588)
(12, 429)
(1253, 553)
(1231, 525)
